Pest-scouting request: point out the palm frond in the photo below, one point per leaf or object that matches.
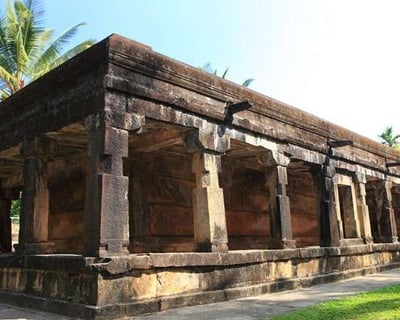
(54, 50)
(4, 94)
(75, 50)
(247, 82)
(225, 72)
(9, 80)
(207, 67)
(26, 47)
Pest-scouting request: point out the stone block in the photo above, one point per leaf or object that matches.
(283, 270)
(172, 282)
(137, 286)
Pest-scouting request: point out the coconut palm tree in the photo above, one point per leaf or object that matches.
(27, 49)
(208, 68)
(388, 137)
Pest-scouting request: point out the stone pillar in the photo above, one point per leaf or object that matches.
(210, 230)
(33, 235)
(329, 224)
(6, 196)
(362, 207)
(281, 223)
(388, 229)
(106, 213)
(5, 225)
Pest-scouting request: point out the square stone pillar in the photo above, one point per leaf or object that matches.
(281, 223)
(329, 223)
(6, 196)
(362, 207)
(106, 213)
(209, 218)
(388, 229)
(33, 235)
(5, 225)
(210, 231)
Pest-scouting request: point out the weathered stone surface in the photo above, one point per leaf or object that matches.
(210, 233)
(126, 148)
(171, 282)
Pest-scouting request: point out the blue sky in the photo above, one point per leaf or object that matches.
(338, 59)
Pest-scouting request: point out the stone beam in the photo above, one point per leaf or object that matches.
(157, 140)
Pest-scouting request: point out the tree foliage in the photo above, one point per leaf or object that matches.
(208, 68)
(16, 207)
(389, 138)
(27, 49)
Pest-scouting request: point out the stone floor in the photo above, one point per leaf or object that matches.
(251, 308)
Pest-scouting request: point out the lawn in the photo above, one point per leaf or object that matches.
(381, 304)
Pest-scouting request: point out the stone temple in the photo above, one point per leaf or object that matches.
(148, 184)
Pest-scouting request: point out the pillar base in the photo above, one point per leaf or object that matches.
(368, 240)
(281, 244)
(388, 239)
(212, 247)
(35, 248)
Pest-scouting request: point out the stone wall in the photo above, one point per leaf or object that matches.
(160, 202)
(66, 203)
(122, 286)
(247, 207)
(304, 207)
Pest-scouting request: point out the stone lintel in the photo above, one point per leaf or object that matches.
(116, 119)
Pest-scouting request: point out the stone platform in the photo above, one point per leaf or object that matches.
(147, 184)
(93, 288)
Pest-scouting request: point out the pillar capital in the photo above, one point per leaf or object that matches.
(207, 139)
(274, 158)
(359, 177)
(40, 148)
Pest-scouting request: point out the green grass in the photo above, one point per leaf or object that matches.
(382, 304)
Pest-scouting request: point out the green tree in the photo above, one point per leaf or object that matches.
(389, 138)
(208, 68)
(27, 49)
(16, 207)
